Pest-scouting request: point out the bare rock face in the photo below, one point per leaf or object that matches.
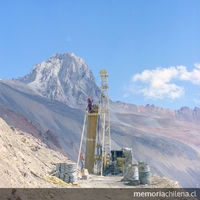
(63, 77)
(188, 114)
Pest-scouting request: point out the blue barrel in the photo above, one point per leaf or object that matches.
(144, 174)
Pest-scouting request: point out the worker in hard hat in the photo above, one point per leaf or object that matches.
(89, 101)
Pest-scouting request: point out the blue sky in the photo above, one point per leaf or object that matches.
(150, 48)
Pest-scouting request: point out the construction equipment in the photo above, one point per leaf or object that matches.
(99, 158)
(103, 146)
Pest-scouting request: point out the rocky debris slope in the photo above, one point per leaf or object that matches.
(20, 122)
(25, 161)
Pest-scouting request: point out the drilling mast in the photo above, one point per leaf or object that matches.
(98, 143)
(99, 157)
(104, 112)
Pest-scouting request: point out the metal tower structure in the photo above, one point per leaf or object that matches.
(98, 131)
(104, 113)
(99, 157)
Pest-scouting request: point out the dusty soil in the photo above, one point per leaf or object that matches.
(95, 181)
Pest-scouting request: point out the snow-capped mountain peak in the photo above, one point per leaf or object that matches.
(63, 77)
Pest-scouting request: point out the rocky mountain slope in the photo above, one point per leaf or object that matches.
(168, 140)
(26, 162)
(44, 114)
(20, 122)
(171, 146)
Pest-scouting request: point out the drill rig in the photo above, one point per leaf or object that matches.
(99, 158)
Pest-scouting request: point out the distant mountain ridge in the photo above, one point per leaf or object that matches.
(184, 113)
(63, 77)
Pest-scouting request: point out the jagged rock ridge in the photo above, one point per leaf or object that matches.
(183, 114)
(63, 77)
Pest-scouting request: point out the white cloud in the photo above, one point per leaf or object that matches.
(158, 83)
(197, 65)
(193, 76)
(126, 95)
(197, 101)
(158, 75)
(170, 91)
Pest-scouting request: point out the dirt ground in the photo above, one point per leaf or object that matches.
(95, 181)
